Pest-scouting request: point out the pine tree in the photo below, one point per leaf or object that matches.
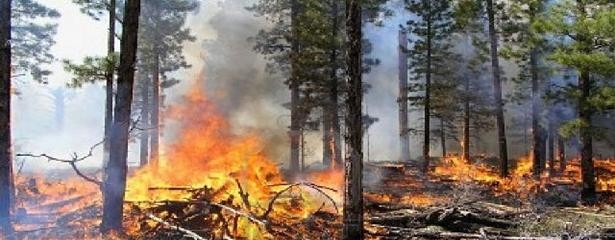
(161, 38)
(353, 194)
(6, 158)
(522, 42)
(474, 44)
(32, 38)
(497, 88)
(25, 41)
(115, 174)
(430, 47)
(586, 30)
(96, 9)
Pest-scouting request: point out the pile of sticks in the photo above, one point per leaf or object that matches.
(200, 216)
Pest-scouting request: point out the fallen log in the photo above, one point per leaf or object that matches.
(410, 233)
(451, 218)
(459, 220)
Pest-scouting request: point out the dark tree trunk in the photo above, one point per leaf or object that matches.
(561, 153)
(551, 146)
(497, 91)
(326, 137)
(332, 154)
(295, 122)
(115, 175)
(466, 122)
(588, 194)
(443, 137)
(404, 134)
(155, 111)
(109, 83)
(537, 131)
(427, 110)
(6, 160)
(353, 194)
(145, 112)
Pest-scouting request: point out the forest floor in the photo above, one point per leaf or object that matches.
(400, 203)
(403, 204)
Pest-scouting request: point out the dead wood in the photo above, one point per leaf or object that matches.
(188, 233)
(411, 233)
(290, 186)
(244, 196)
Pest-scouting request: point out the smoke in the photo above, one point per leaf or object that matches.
(233, 75)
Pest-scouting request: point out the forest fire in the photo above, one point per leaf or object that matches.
(207, 154)
(299, 138)
(521, 181)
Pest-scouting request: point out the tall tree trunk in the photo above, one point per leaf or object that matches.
(588, 194)
(497, 91)
(537, 131)
(326, 136)
(466, 122)
(332, 154)
(353, 193)
(551, 146)
(109, 82)
(442, 138)
(561, 153)
(6, 160)
(115, 175)
(145, 112)
(155, 110)
(427, 110)
(404, 134)
(295, 122)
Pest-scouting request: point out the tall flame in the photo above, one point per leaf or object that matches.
(206, 153)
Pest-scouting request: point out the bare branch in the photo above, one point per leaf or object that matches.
(75, 158)
(188, 233)
(290, 186)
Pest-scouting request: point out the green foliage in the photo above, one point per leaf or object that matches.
(319, 33)
(93, 8)
(91, 70)
(585, 32)
(162, 35)
(32, 38)
(431, 30)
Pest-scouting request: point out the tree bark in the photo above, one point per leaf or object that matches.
(6, 160)
(561, 153)
(109, 82)
(427, 110)
(155, 110)
(588, 176)
(537, 131)
(332, 154)
(443, 137)
(353, 194)
(497, 91)
(588, 194)
(466, 122)
(404, 135)
(145, 112)
(551, 146)
(115, 175)
(295, 122)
